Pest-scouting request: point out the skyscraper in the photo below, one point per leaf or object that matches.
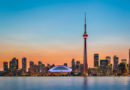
(73, 65)
(14, 66)
(109, 59)
(115, 62)
(31, 69)
(24, 61)
(10, 65)
(31, 64)
(124, 61)
(40, 67)
(15, 63)
(129, 61)
(96, 60)
(77, 66)
(5, 65)
(85, 35)
(104, 63)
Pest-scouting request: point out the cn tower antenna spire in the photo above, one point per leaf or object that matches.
(85, 25)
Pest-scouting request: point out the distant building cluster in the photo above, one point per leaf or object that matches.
(33, 70)
(104, 67)
(107, 69)
(101, 67)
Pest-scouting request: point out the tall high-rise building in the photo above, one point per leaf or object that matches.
(109, 59)
(44, 68)
(31, 68)
(17, 64)
(73, 65)
(40, 66)
(31, 64)
(104, 63)
(124, 62)
(36, 70)
(129, 61)
(14, 63)
(48, 66)
(24, 66)
(5, 66)
(14, 66)
(78, 66)
(85, 35)
(105, 67)
(96, 60)
(116, 59)
(10, 65)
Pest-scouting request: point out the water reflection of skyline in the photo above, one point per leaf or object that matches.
(85, 83)
(65, 83)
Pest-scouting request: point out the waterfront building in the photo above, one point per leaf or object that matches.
(31, 64)
(116, 60)
(129, 61)
(105, 69)
(48, 66)
(78, 65)
(104, 63)
(109, 59)
(31, 68)
(93, 71)
(14, 66)
(40, 66)
(36, 69)
(73, 65)
(24, 64)
(10, 66)
(60, 70)
(124, 61)
(96, 60)
(44, 69)
(5, 66)
(85, 36)
(122, 67)
(81, 68)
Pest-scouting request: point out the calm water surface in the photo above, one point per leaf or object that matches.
(64, 83)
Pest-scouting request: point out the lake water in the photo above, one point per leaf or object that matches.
(64, 83)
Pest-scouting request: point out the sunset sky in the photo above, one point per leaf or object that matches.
(51, 30)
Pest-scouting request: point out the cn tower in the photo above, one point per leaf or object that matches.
(85, 64)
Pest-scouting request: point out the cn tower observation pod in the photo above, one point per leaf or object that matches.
(60, 68)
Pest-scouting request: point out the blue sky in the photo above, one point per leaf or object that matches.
(58, 24)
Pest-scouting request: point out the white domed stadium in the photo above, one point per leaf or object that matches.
(60, 70)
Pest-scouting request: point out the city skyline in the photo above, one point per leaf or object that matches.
(45, 32)
(115, 60)
(105, 68)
